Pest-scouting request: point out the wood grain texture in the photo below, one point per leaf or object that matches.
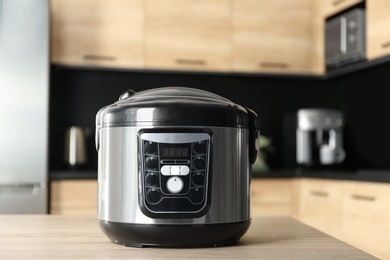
(378, 28)
(273, 36)
(97, 32)
(331, 7)
(71, 237)
(188, 34)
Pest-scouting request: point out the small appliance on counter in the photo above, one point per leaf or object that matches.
(75, 147)
(314, 138)
(174, 168)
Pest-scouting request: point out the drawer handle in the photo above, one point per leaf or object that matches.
(319, 193)
(99, 58)
(385, 45)
(362, 197)
(277, 65)
(190, 62)
(337, 2)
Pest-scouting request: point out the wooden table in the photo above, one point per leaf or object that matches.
(63, 237)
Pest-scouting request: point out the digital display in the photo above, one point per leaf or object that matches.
(175, 151)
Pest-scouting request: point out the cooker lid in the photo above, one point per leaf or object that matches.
(173, 106)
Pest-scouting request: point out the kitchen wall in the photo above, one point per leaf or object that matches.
(77, 94)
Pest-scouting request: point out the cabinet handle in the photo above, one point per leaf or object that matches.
(337, 2)
(319, 193)
(99, 57)
(190, 62)
(385, 45)
(276, 65)
(362, 197)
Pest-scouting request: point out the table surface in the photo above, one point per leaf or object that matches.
(74, 237)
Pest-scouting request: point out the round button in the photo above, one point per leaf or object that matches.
(175, 184)
(151, 163)
(150, 148)
(152, 179)
(199, 163)
(196, 195)
(153, 195)
(200, 147)
(198, 179)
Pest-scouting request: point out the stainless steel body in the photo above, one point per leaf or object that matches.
(119, 183)
(345, 38)
(24, 96)
(319, 137)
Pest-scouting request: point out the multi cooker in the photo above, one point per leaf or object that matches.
(174, 168)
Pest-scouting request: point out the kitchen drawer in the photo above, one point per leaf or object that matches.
(331, 7)
(97, 33)
(188, 34)
(272, 197)
(320, 205)
(367, 217)
(73, 197)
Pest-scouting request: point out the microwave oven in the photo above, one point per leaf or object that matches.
(345, 38)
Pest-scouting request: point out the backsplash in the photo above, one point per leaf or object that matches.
(77, 95)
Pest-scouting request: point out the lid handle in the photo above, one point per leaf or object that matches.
(127, 94)
(254, 134)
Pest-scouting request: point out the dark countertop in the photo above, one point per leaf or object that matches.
(358, 175)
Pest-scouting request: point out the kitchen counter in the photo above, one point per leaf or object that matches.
(71, 237)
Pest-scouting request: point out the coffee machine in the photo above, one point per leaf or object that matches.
(314, 138)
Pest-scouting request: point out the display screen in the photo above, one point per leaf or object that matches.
(175, 151)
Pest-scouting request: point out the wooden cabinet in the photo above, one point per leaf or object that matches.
(275, 36)
(378, 28)
(97, 32)
(73, 197)
(272, 197)
(366, 217)
(188, 34)
(320, 205)
(331, 7)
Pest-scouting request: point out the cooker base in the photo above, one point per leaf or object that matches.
(194, 235)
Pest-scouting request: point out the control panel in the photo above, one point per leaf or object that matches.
(174, 172)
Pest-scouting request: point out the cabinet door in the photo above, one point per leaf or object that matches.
(367, 217)
(320, 205)
(73, 197)
(273, 36)
(97, 32)
(331, 7)
(378, 28)
(188, 34)
(272, 197)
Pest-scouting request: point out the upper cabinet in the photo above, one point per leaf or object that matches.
(274, 36)
(233, 36)
(378, 28)
(188, 34)
(97, 32)
(331, 7)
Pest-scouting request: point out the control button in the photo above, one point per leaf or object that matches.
(175, 184)
(196, 195)
(175, 170)
(166, 170)
(198, 179)
(199, 163)
(151, 163)
(200, 147)
(184, 170)
(153, 196)
(152, 179)
(150, 148)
